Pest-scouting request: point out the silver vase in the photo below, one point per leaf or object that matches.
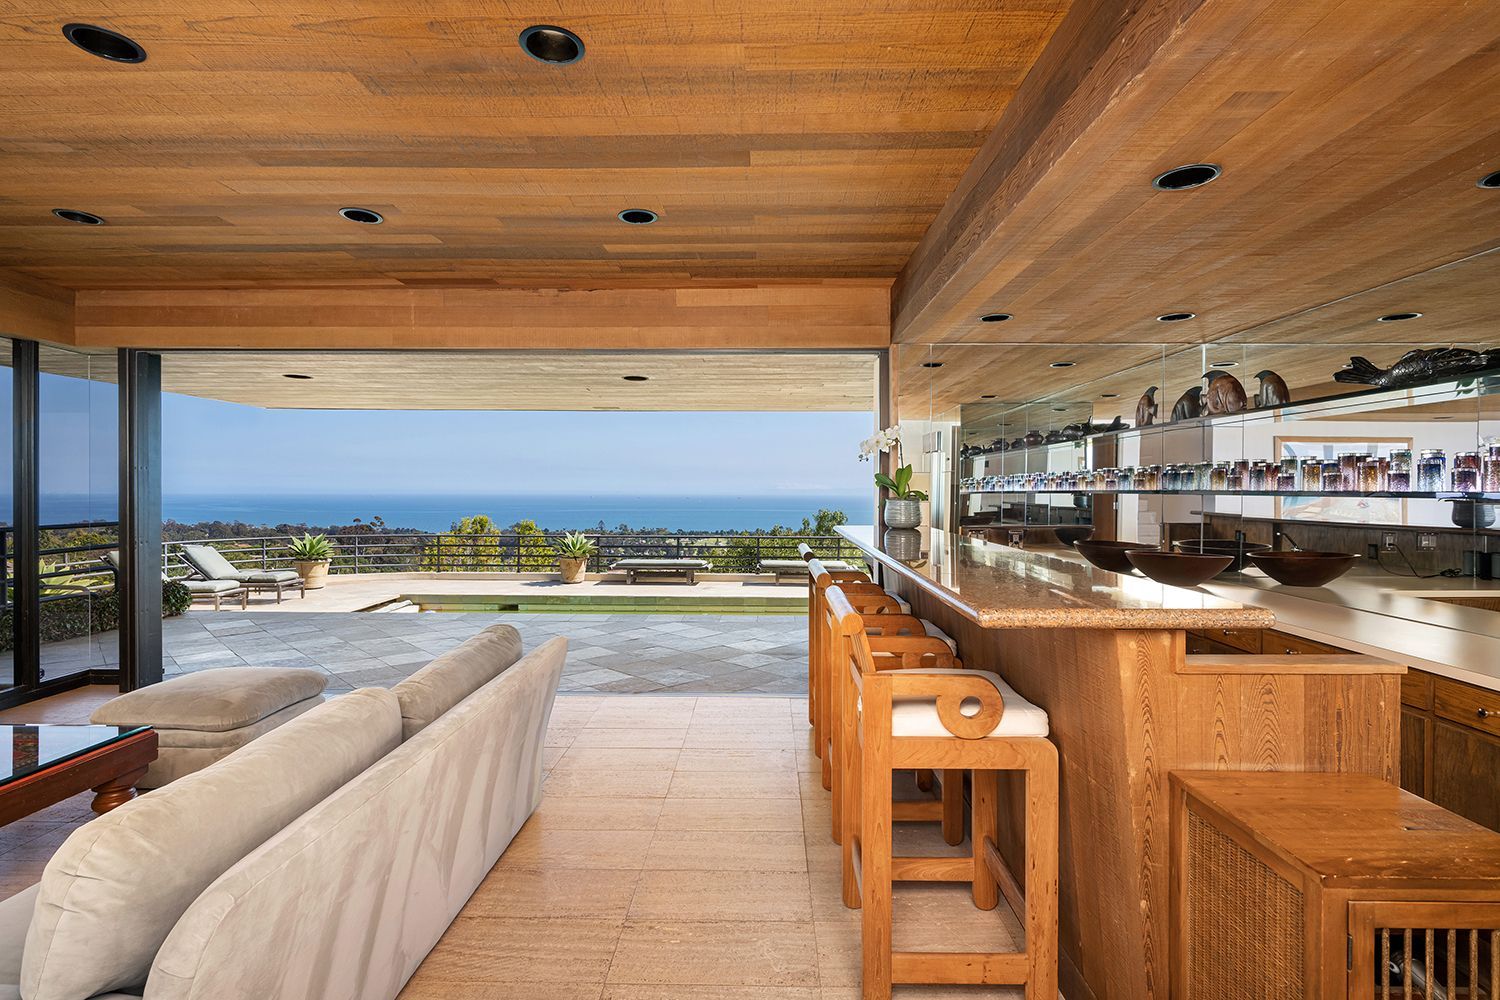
(903, 513)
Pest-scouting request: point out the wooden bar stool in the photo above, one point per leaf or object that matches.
(815, 644)
(897, 641)
(943, 718)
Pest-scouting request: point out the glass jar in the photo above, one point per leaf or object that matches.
(1289, 468)
(1218, 477)
(1349, 469)
(1312, 475)
(1432, 467)
(1257, 479)
(1465, 480)
(1371, 474)
(1490, 477)
(1235, 481)
(1399, 482)
(1286, 482)
(1401, 460)
(1466, 460)
(1332, 478)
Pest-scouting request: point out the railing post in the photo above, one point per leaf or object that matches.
(264, 555)
(356, 553)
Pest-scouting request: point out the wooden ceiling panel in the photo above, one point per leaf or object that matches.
(779, 140)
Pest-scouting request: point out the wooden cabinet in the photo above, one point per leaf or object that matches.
(1466, 773)
(1450, 745)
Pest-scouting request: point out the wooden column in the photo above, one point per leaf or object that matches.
(140, 519)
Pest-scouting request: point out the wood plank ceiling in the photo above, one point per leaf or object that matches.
(779, 139)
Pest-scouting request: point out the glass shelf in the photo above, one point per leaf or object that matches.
(1383, 495)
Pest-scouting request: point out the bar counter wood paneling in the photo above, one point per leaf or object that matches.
(1128, 706)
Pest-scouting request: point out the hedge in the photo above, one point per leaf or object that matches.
(78, 615)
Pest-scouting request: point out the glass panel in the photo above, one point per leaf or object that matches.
(7, 522)
(78, 512)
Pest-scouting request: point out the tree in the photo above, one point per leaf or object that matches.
(534, 554)
(471, 544)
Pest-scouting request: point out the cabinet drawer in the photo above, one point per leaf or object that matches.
(1473, 706)
(1282, 644)
(1246, 640)
(1416, 689)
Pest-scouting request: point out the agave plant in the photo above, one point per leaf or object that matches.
(575, 545)
(311, 548)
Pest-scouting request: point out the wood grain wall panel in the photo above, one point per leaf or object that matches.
(831, 315)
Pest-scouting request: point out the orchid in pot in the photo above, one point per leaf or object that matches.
(903, 506)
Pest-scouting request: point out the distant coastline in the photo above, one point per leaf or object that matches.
(437, 512)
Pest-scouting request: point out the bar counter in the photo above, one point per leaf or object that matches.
(1105, 655)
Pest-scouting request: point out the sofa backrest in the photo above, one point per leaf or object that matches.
(346, 901)
(455, 675)
(117, 886)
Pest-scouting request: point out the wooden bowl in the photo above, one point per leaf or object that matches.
(1238, 551)
(1110, 555)
(1072, 534)
(1178, 569)
(1304, 569)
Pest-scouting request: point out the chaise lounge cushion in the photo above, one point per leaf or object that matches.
(213, 701)
(117, 886)
(211, 563)
(452, 677)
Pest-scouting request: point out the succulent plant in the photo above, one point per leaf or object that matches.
(575, 545)
(311, 548)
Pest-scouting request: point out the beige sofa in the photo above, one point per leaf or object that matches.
(324, 859)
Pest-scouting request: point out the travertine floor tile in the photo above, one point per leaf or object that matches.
(732, 815)
(627, 992)
(694, 850)
(663, 739)
(575, 893)
(727, 953)
(758, 761)
(427, 986)
(536, 847)
(504, 950)
(608, 784)
(617, 758)
(559, 812)
(734, 785)
(722, 895)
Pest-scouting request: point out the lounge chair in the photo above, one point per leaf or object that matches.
(795, 570)
(201, 590)
(206, 561)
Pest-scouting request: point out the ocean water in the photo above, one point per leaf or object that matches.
(556, 512)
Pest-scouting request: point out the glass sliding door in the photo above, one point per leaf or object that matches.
(78, 512)
(7, 522)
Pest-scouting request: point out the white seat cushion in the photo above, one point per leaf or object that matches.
(919, 716)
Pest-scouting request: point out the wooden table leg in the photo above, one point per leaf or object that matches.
(116, 791)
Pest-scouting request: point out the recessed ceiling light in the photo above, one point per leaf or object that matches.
(1443, 417)
(104, 43)
(1490, 180)
(994, 317)
(1174, 317)
(1223, 364)
(1059, 409)
(990, 396)
(932, 364)
(1109, 395)
(1062, 364)
(638, 216)
(550, 44)
(636, 378)
(300, 378)
(82, 218)
(1183, 178)
(364, 216)
(1398, 317)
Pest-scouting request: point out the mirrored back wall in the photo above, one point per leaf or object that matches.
(1370, 425)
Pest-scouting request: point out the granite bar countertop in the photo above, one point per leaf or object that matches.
(999, 586)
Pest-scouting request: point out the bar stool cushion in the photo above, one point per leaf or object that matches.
(919, 716)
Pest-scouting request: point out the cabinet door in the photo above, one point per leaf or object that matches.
(1466, 772)
(1415, 729)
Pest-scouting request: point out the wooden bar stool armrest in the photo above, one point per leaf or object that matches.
(951, 692)
(890, 622)
(914, 651)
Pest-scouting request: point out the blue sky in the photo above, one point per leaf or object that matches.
(214, 447)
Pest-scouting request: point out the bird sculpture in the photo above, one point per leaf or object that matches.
(1223, 395)
(1272, 391)
(1189, 405)
(1145, 410)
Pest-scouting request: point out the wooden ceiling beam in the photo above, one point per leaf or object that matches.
(1097, 50)
(35, 310)
(822, 316)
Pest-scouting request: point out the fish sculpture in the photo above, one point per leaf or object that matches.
(1223, 395)
(1272, 391)
(1419, 366)
(1145, 410)
(1189, 404)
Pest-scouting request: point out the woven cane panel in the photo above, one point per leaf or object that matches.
(1244, 922)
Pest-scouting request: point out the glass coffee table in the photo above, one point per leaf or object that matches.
(40, 765)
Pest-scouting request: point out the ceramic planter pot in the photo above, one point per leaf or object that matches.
(903, 513)
(314, 574)
(572, 570)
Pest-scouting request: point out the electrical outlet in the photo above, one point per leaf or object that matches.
(1426, 541)
(1388, 541)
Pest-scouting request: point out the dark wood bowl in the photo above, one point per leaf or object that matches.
(1178, 569)
(1238, 551)
(1303, 569)
(1110, 555)
(1072, 534)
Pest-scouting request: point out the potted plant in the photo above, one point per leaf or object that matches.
(573, 556)
(311, 554)
(903, 506)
